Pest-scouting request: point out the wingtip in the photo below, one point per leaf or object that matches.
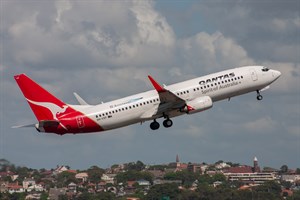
(17, 76)
(156, 85)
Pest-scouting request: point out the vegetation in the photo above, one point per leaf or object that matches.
(191, 186)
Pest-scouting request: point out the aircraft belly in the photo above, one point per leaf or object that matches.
(119, 121)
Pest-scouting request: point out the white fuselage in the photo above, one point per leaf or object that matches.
(218, 86)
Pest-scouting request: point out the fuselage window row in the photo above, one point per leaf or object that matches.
(126, 108)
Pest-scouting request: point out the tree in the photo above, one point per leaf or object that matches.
(185, 176)
(65, 178)
(269, 190)
(95, 174)
(284, 169)
(133, 175)
(138, 166)
(157, 192)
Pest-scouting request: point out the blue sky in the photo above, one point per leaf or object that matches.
(104, 50)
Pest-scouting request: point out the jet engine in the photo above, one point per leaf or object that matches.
(197, 105)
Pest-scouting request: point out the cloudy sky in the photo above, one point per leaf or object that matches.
(104, 50)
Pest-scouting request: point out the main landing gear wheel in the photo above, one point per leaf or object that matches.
(154, 125)
(259, 96)
(167, 123)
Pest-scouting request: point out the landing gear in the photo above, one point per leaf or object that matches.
(167, 123)
(154, 125)
(259, 96)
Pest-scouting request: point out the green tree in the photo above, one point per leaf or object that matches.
(185, 176)
(284, 169)
(157, 192)
(65, 178)
(95, 174)
(23, 172)
(138, 166)
(269, 190)
(133, 175)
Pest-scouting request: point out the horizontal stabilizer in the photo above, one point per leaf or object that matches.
(79, 99)
(24, 126)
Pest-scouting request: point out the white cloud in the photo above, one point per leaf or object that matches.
(216, 51)
(261, 125)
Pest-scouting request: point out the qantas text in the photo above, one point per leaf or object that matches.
(218, 78)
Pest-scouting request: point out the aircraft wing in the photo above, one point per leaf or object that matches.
(168, 100)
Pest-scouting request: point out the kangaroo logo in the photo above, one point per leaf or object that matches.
(53, 108)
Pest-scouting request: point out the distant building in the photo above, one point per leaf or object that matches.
(72, 187)
(178, 165)
(222, 165)
(256, 168)
(28, 182)
(290, 178)
(54, 193)
(248, 174)
(143, 183)
(60, 169)
(108, 178)
(83, 176)
(194, 167)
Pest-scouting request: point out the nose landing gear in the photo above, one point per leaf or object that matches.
(259, 97)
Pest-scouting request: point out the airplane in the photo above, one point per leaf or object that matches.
(187, 97)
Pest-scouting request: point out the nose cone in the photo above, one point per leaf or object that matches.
(276, 74)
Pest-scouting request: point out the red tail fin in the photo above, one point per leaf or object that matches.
(44, 105)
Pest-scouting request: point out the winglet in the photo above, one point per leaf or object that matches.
(156, 85)
(79, 99)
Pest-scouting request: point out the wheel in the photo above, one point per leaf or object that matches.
(167, 123)
(154, 125)
(259, 97)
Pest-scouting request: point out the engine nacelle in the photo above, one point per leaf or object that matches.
(198, 105)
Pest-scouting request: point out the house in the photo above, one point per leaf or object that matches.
(143, 183)
(290, 178)
(36, 187)
(8, 174)
(54, 193)
(194, 167)
(72, 187)
(14, 188)
(28, 182)
(108, 178)
(83, 176)
(60, 169)
(222, 165)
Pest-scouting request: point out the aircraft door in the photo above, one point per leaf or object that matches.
(80, 121)
(253, 74)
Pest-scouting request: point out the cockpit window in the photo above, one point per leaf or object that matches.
(265, 69)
